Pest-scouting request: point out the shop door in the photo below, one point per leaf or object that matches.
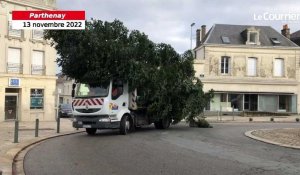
(11, 109)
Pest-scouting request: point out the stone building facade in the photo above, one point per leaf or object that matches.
(250, 68)
(27, 67)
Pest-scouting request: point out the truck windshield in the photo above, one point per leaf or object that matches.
(84, 90)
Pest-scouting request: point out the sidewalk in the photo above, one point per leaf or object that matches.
(287, 137)
(240, 119)
(8, 149)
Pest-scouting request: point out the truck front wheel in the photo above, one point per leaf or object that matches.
(125, 125)
(91, 131)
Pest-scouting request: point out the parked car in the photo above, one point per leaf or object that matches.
(65, 111)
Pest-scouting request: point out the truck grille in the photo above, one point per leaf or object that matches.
(88, 110)
(89, 123)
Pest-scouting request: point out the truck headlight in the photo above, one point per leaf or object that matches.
(113, 117)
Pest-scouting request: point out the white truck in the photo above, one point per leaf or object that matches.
(110, 106)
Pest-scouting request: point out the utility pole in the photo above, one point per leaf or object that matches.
(192, 35)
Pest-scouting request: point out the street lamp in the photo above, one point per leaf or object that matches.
(192, 34)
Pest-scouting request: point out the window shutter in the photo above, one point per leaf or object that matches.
(38, 58)
(14, 56)
(278, 67)
(252, 62)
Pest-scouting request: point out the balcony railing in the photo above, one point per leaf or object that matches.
(14, 68)
(38, 69)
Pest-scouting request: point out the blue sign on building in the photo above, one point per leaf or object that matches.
(15, 82)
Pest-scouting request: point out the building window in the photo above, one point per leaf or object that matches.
(37, 99)
(223, 97)
(225, 65)
(252, 37)
(37, 34)
(14, 61)
(278, 67)
(13, 32)
(283, 101)
(38, 65)
(251, 69)
(61, 100)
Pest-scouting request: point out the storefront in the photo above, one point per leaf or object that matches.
(27, 98)
(264, 102)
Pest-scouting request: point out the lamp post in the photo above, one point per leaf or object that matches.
(192, 35)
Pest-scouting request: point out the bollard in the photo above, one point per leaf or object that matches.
(16, 135)
(37, 121)
(0, 172)
(232, 113)
(58, 124)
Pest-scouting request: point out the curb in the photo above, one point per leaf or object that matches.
(247, 122)
(250, 135)
(18, 157)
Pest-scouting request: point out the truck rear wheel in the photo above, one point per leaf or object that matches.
(158, 125)
(162, 124)
(91, 131)
(165, 123)
(125, 125)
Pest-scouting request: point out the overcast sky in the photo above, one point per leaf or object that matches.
(169, 21)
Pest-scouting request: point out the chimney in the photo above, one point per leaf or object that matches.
(198, 39)
(286, 31)
(203, 32)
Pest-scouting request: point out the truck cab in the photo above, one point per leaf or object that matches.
(101, 107)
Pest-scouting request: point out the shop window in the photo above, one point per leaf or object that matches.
(236, 101)
(223, 98)
(283, 102)
(36, 99)
(250, 102)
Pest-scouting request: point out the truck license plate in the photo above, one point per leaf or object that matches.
(86, 126)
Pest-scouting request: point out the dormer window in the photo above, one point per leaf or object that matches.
(251, 36)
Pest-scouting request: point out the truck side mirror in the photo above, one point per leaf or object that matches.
(73, 89)
(73, 93)
(73, 86)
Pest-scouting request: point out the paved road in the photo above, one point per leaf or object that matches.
(179, 150)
